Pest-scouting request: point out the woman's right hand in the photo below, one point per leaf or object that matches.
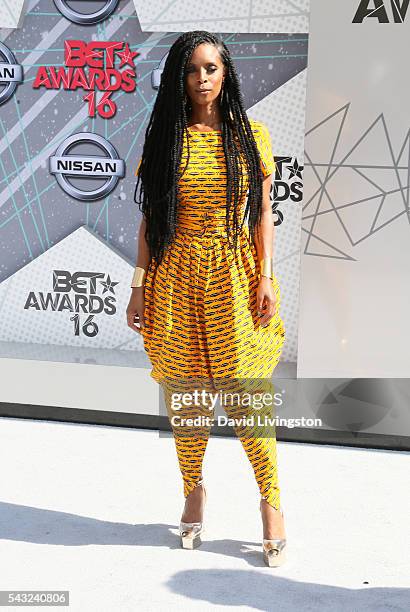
(135, 309)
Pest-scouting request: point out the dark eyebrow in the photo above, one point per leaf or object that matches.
(207, 64)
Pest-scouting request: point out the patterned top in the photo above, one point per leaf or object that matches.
(204, 181)
(202, 187)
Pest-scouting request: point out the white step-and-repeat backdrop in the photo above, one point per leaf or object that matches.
(68, 244)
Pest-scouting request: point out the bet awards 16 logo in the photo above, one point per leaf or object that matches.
(93, 67)
(378, 10)
(287, 184)
(79, 293)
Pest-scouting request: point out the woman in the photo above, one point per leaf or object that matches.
(204, 291)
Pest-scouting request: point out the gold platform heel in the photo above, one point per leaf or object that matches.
(191, 533)
(274, 550)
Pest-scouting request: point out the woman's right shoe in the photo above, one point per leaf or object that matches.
(274, 550)
(191, 533)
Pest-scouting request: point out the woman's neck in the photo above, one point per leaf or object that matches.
(205, 120)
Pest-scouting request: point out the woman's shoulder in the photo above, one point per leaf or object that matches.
(259, 128)
(264, 143)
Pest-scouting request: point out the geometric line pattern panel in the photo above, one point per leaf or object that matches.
(370, 168)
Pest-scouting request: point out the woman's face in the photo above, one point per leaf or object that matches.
(204, 71)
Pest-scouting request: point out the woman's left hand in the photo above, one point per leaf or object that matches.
(265, 300)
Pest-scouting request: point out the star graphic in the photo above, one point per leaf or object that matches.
(127, 56)
(108, 284)
(295, 169)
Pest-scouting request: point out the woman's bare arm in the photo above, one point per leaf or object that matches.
(143, 255)
(264, 245)
(265, 231)
(136, 305)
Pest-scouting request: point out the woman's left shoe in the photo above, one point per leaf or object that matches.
(191, 533)
(274, 550)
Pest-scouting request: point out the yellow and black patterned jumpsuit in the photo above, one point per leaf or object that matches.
(200, 308)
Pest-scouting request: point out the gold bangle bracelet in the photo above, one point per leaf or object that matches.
(267, 267)
(138, 277)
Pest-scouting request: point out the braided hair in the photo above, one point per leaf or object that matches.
(159, 169)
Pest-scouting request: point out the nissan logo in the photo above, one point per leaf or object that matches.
(86, 18)
(63, 165)
(11, 73)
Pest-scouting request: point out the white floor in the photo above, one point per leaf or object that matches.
(94, 510)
